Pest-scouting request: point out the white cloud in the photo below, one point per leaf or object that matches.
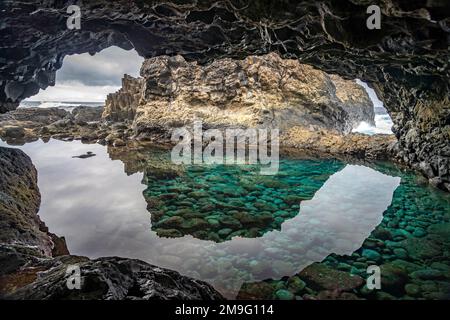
(74, 92)
(86, 78)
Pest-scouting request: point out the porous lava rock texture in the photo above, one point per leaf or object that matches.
(121, 105)
(256, 92)
(406, 61)
(19, 202)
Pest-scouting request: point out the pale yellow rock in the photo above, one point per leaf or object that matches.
(264, 91)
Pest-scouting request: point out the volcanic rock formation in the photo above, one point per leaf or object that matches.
(28, 124)
(121, 105)
(406, 61)
(265, 91)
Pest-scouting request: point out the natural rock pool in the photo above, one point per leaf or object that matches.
(250, 236)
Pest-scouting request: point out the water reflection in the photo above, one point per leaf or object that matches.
(219, 203)
(101, 212)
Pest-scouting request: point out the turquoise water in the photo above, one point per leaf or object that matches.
(221, 202)
(248, 235)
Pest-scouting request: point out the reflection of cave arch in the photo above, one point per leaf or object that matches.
(329, 222)
(219, 203)
(409, 74)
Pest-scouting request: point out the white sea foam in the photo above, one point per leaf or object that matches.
(383, 122)
(68, 106)
(383, 125)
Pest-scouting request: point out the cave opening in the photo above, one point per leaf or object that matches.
(383, 121)
(87, 79)
(410, 75)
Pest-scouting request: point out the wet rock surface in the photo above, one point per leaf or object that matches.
(107, 279)
(355, 144)
(83, 114)
(86, 155)
(34, 116)
(321, 277)
(29, 124)
(83, 123)
(24, 125)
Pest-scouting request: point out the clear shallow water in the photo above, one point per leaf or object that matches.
(100, 206)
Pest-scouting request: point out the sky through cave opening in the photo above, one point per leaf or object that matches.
(87, 80)
(383, 122)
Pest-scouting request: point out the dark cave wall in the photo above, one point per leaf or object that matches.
(406, 61)
(330, 35)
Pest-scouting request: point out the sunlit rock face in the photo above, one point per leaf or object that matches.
(121, 105)
(406, 61)
(256, 92)
(265, 91)
(356, 145)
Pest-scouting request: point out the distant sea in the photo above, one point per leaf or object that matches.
(383, 122)
(66, 105)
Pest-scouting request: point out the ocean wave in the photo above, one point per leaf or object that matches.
(383, 125)
(68, 106)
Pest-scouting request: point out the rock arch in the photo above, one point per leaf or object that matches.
(406, 61)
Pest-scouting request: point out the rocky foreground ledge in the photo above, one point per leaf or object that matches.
(34, 262)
